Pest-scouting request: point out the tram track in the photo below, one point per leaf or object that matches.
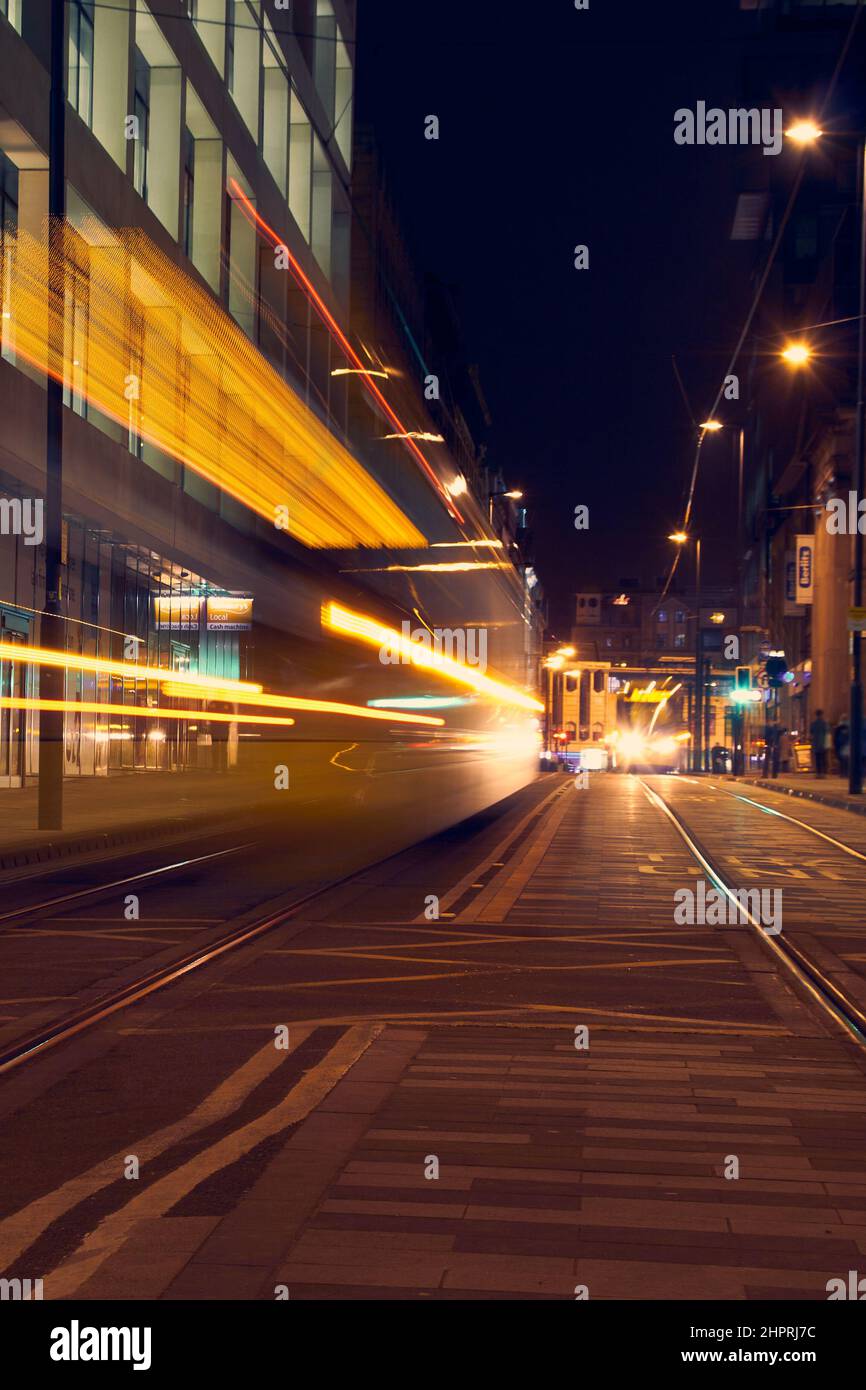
(810, 979)
(51, 1033)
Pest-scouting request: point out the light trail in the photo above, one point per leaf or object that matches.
(188, 685)
(337, 333)
(162, 358)
(357, 625)
(71, 661)
(296, 702)
(137, 711)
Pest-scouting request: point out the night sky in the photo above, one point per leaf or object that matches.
(557, 130)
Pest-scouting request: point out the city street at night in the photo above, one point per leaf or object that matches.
(432, 749)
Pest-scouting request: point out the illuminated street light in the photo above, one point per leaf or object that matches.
(566, 651)
(359, 371)
(796, 354)
(423, 435)
(457, 486)
(712, 425)
(679, 537)
(514, 494)
(804, 132)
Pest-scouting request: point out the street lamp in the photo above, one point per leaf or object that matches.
(513, 494)
(804, 132)
(52, 683)
(711, 426)
(807, 132)
(796, 354)
(682, 538)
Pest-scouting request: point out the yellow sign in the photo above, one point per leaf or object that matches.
(178, 612)
(648, 697)
(229, 614)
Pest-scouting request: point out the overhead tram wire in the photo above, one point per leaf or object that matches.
(831, 87)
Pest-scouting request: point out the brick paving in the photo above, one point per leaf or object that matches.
(706, 1144)
(561, 1169)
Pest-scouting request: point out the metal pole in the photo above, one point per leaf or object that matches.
(698, 708)
(51, 678)
(855, 767)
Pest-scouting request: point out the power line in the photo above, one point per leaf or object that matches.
(849, 38)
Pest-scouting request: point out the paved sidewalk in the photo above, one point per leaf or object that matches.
(831, 791)
(705, 1144)
(101, 812)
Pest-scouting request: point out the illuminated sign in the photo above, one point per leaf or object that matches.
(804, 567)
(180, 613)
(648, 697)
(229, 614)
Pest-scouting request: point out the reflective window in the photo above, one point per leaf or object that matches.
(81, 58)
(8, 226)
(11, 10)
(141, 111)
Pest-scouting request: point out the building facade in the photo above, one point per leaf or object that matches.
(223, 450)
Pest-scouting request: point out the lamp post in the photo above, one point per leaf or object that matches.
(513, 494)
(51, 678)
(681, 538)
(807, 133)
(855, 761)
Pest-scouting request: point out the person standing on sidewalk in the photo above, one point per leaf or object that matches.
(819, 735)
(842, 745)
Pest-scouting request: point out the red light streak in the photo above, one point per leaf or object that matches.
(337, 333)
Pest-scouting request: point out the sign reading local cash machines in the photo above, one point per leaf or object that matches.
(229, 613)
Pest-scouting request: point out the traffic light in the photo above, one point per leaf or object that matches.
(742, 693)
(776, 668)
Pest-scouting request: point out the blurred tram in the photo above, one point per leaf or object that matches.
(412, 681)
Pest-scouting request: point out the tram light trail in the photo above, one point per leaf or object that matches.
(160, 357)
(357, 625)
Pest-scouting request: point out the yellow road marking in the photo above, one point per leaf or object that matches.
(494, 859)
(155, 1201)
(19, 1231)
(522, 969)
(494, 903)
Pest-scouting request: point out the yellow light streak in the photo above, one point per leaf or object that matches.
(298, 703)
(71, 661)
(424, 435)
(448, 567)
(188, 685)
(157, 354)
(357, 625)
(136, 712)
(359, 371)
(462, 545)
